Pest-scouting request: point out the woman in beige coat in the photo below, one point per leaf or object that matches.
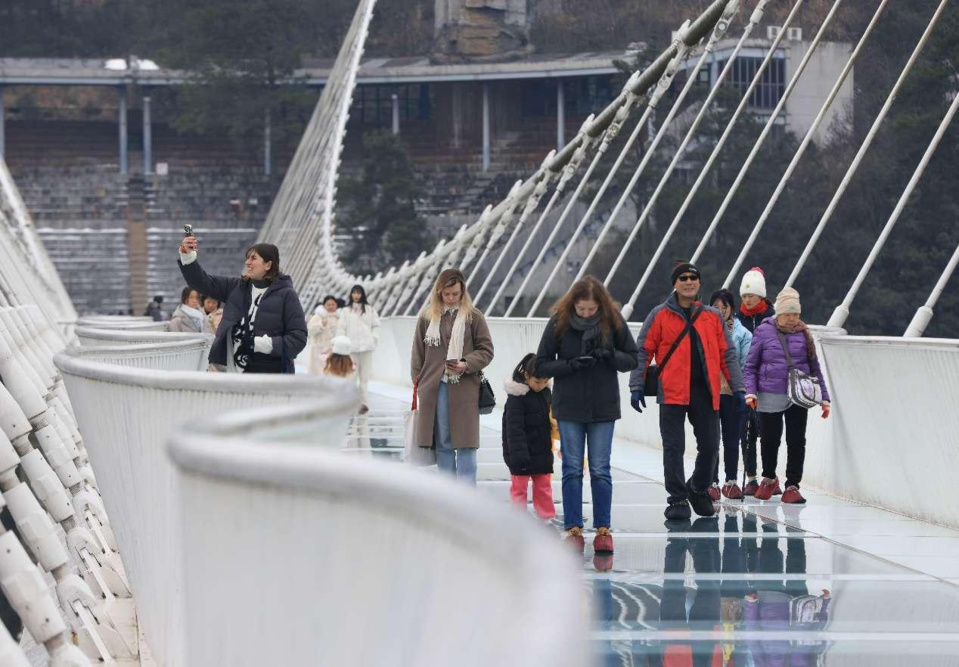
(452, 344)
(322, 329)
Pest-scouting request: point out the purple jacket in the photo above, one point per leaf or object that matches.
(766, 368)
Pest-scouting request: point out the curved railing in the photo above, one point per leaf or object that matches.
(357, 561)
(99, 337)
(184, 355)
(123, 325)
(126, 449)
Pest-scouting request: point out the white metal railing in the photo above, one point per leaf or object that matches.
(297, 555)
(48, 487)
(135, 476)
(892, 439)
(186, 355)
(134, 324)
(99, 337)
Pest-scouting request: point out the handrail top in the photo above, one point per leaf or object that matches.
(144, 335)
(894, 341)
(140, 348)
(69, 362)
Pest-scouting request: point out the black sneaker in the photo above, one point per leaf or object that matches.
(678, 511)
(701, 502)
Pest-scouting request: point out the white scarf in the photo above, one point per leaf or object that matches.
(202, 322)
(457, 339)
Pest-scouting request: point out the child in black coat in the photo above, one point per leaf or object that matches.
(527, 437)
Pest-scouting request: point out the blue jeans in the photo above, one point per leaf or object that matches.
(461, 463)
(574, 438)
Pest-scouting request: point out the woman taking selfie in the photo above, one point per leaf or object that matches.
(263, 327)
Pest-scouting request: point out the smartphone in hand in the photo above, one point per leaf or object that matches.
(452, 362)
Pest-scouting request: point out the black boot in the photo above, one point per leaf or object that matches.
(701, 502)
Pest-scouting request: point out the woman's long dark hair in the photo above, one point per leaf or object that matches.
(363, 302)
(268, 253)
(185, 294)
(587, 289)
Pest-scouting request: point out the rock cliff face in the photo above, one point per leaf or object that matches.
(479, 30)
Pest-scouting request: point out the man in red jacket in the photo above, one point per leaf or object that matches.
(692, 346)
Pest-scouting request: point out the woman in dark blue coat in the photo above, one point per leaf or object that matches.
(263, 326)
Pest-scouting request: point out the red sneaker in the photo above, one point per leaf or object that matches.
(751, 487)
(603, 542)
(574, 537)
(732, 491)
(767, 489)
(793, 496)
(713, 492)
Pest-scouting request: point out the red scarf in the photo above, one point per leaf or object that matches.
(759, 309)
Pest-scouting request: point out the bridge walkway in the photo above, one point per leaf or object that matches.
(892, 581)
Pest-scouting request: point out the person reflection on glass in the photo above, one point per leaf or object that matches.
(703, 611)
(784, 605)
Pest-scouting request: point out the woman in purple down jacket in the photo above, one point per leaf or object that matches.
(767, 380)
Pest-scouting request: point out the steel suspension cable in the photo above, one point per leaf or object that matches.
(662, 86)
(841, 313)
(707, 167)
(794, 163)
(766, 130)
(541, 188)
(923, 316)
(866, 145)
(754, 20)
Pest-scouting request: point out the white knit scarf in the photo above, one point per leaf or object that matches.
(457, 340)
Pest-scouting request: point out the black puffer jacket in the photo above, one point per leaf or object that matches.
(589, 395)
(527, 443)
(279, 315)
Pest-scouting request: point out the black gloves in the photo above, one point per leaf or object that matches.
(582, 363)
(604, 355)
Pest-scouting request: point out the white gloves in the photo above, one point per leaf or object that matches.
(263, 344)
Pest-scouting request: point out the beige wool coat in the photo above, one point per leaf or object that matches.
(429, 363)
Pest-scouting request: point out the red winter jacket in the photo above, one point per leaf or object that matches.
(661, 328)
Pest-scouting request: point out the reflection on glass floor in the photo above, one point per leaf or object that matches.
(756, 586)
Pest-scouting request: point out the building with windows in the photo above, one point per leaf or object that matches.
(825, 66)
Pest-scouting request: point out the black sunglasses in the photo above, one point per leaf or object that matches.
(687, 278)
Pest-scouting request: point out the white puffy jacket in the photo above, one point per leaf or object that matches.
(363, 329)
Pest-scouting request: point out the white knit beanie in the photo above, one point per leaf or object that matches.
(787, 302)
(342, 346)
(754, 282)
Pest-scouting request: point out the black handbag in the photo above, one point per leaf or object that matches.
(651, 387)
(487, 400)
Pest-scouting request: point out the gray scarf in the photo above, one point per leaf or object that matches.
(592, 332)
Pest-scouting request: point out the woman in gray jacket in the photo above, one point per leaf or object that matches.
(263, 326)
